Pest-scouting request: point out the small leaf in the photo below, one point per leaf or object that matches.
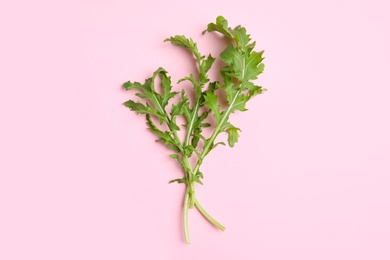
(172, 147)
(136, 106)
(232, 134)
(221, 26)
(229, 88)
(182, 180)
(240, 37)
(253, 89)
(211, 100)
(236, 61)
(178, 109)
(199, 156)
(253, 65)
(197, 179)
(190, 78)
(167, 88)
(205, 66)
(182, 41)
(219, 143)
(239, 103)
(164, 137)
(174, 156)
(140, 108)
(196, 136)
(132, 85)
(188, 150)
(174, 126)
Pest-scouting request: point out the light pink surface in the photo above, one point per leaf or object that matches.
(81, 178)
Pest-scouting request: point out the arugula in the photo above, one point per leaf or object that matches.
(242, 67)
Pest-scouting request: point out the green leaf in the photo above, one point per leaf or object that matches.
(211, 100)
(253, 66)
(133, 85)
(235, 100)
(167, 88)
(196, 136)
(196, 179)
(212, 87)
(199, 174)
(240, 37)
(229, 88)
(200, 158)
(160, 101)
(197, 86)
(253, 89)
(188, 150)
(179, 107)
(238, 34)
(191, 78)
(175, 156)
(182, 180)
(239, 103)
(236, 61)
(164, 137)
(221, 26)
(197, 125)
(232, 134)
(173, 125)
(244, 67)
(182, 41)
(219, 143)
(140, 108)
(205, 66)
(147, 91)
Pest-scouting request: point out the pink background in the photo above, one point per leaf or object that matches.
(81, 178)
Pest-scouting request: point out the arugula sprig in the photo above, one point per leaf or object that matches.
(243, 65)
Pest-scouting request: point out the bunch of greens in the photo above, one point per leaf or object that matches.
(242, 66)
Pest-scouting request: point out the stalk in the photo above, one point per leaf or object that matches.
(208, 216)
(185, 219)
(189, 182)
(190, 199)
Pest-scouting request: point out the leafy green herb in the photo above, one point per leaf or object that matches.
(243, 65)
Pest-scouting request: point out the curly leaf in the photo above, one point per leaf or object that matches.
(182, 41)
(221, 26)
(244, 67)
(232, 134)
(211, 101)
(164, 137)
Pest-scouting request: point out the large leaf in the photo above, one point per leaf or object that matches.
(244, 67)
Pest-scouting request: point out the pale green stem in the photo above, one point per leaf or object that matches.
(208, 216)
(190, 200)
(190, 182)
(193, 198)
(185, 219)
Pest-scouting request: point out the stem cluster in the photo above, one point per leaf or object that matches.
(243, 65)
